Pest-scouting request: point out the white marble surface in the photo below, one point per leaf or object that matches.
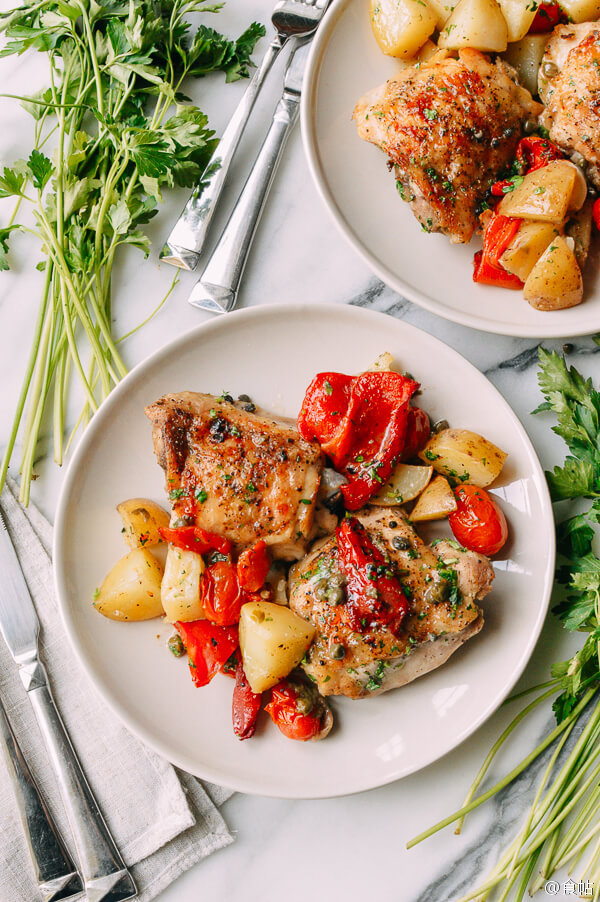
(353, 847)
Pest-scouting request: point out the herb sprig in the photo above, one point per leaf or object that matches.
(563, 823)
(124, 132)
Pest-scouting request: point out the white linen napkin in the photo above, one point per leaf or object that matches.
(163, 820)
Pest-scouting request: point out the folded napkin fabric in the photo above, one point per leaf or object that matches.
(163, 820)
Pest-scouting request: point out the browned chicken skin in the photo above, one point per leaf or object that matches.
(572, 96)
(449, 126)
(345, 662)
(237, 473)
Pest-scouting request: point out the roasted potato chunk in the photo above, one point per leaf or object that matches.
(579, 228)
(405, 483)
(180, 590)
(526, 57)
(475, 23)
(443, 10)
(546, 194)
(131, 591)
(527, 247)
(518, 15)
(555, 281)
(141, 519)
(401, 27)
(581, 10)
(435, 502)
(464, 455)
(273, 641)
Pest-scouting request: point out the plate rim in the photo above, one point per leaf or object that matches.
(404, 289)
(60, 541)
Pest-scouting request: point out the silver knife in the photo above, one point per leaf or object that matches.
(104, 873)
(55, 874)
(218, 285)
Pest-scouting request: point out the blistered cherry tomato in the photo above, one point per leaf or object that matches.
(478, 523)
(222, 597)
(253, 565)
(289, 710)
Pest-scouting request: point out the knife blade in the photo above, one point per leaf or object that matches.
(18, 621)
(104, 873)
(217, 288)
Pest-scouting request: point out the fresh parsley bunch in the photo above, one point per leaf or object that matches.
(123, 131)
(563, 822)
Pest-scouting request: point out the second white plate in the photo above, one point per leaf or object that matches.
(272, 353)
(353, 179)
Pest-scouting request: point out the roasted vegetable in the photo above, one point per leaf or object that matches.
(405, 483)
(464, 455)
(273, 641)
(555, 281)
(401, 27)
(435, 502)
(546, 194)
(180, 590)
(131, 591)
(527, 247)
(142, 519)
(475, 23)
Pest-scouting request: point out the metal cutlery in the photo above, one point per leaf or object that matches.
(105, 876)
(291, 18)
(55, 874)
(218, 286)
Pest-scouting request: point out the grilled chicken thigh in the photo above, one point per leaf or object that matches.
(572, 94)
(237, 473)
(449, 127)
(442, 582)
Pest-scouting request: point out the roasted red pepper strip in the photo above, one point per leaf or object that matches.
(374, 594)
(284, 711)
(486, 274)
(245, 705)
(323, 410)
(222, 596)
(192, 538)
(596, 213)
(418, 429)
(498, 235)
(252, 566)
(208, 647)
(535, 153)
(548, 15)
(374, 434)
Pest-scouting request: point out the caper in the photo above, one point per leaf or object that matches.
(438, 592)
(550, 69)
(246, 398)
(530, 126)
(338, 652)
(441, 424)
(335, 595)
(304, 704)
(400, 543)
(320, 588)
(393, 524)
(175, 645)
(568, 348)
(180, 522)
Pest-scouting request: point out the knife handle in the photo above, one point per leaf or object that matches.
(55, 874)
(218, 286)
(185, 243)
(104, 873)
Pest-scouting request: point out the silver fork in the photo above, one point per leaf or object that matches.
(290, 18)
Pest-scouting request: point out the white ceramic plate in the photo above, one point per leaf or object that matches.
(353, 179)
(272, 354)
